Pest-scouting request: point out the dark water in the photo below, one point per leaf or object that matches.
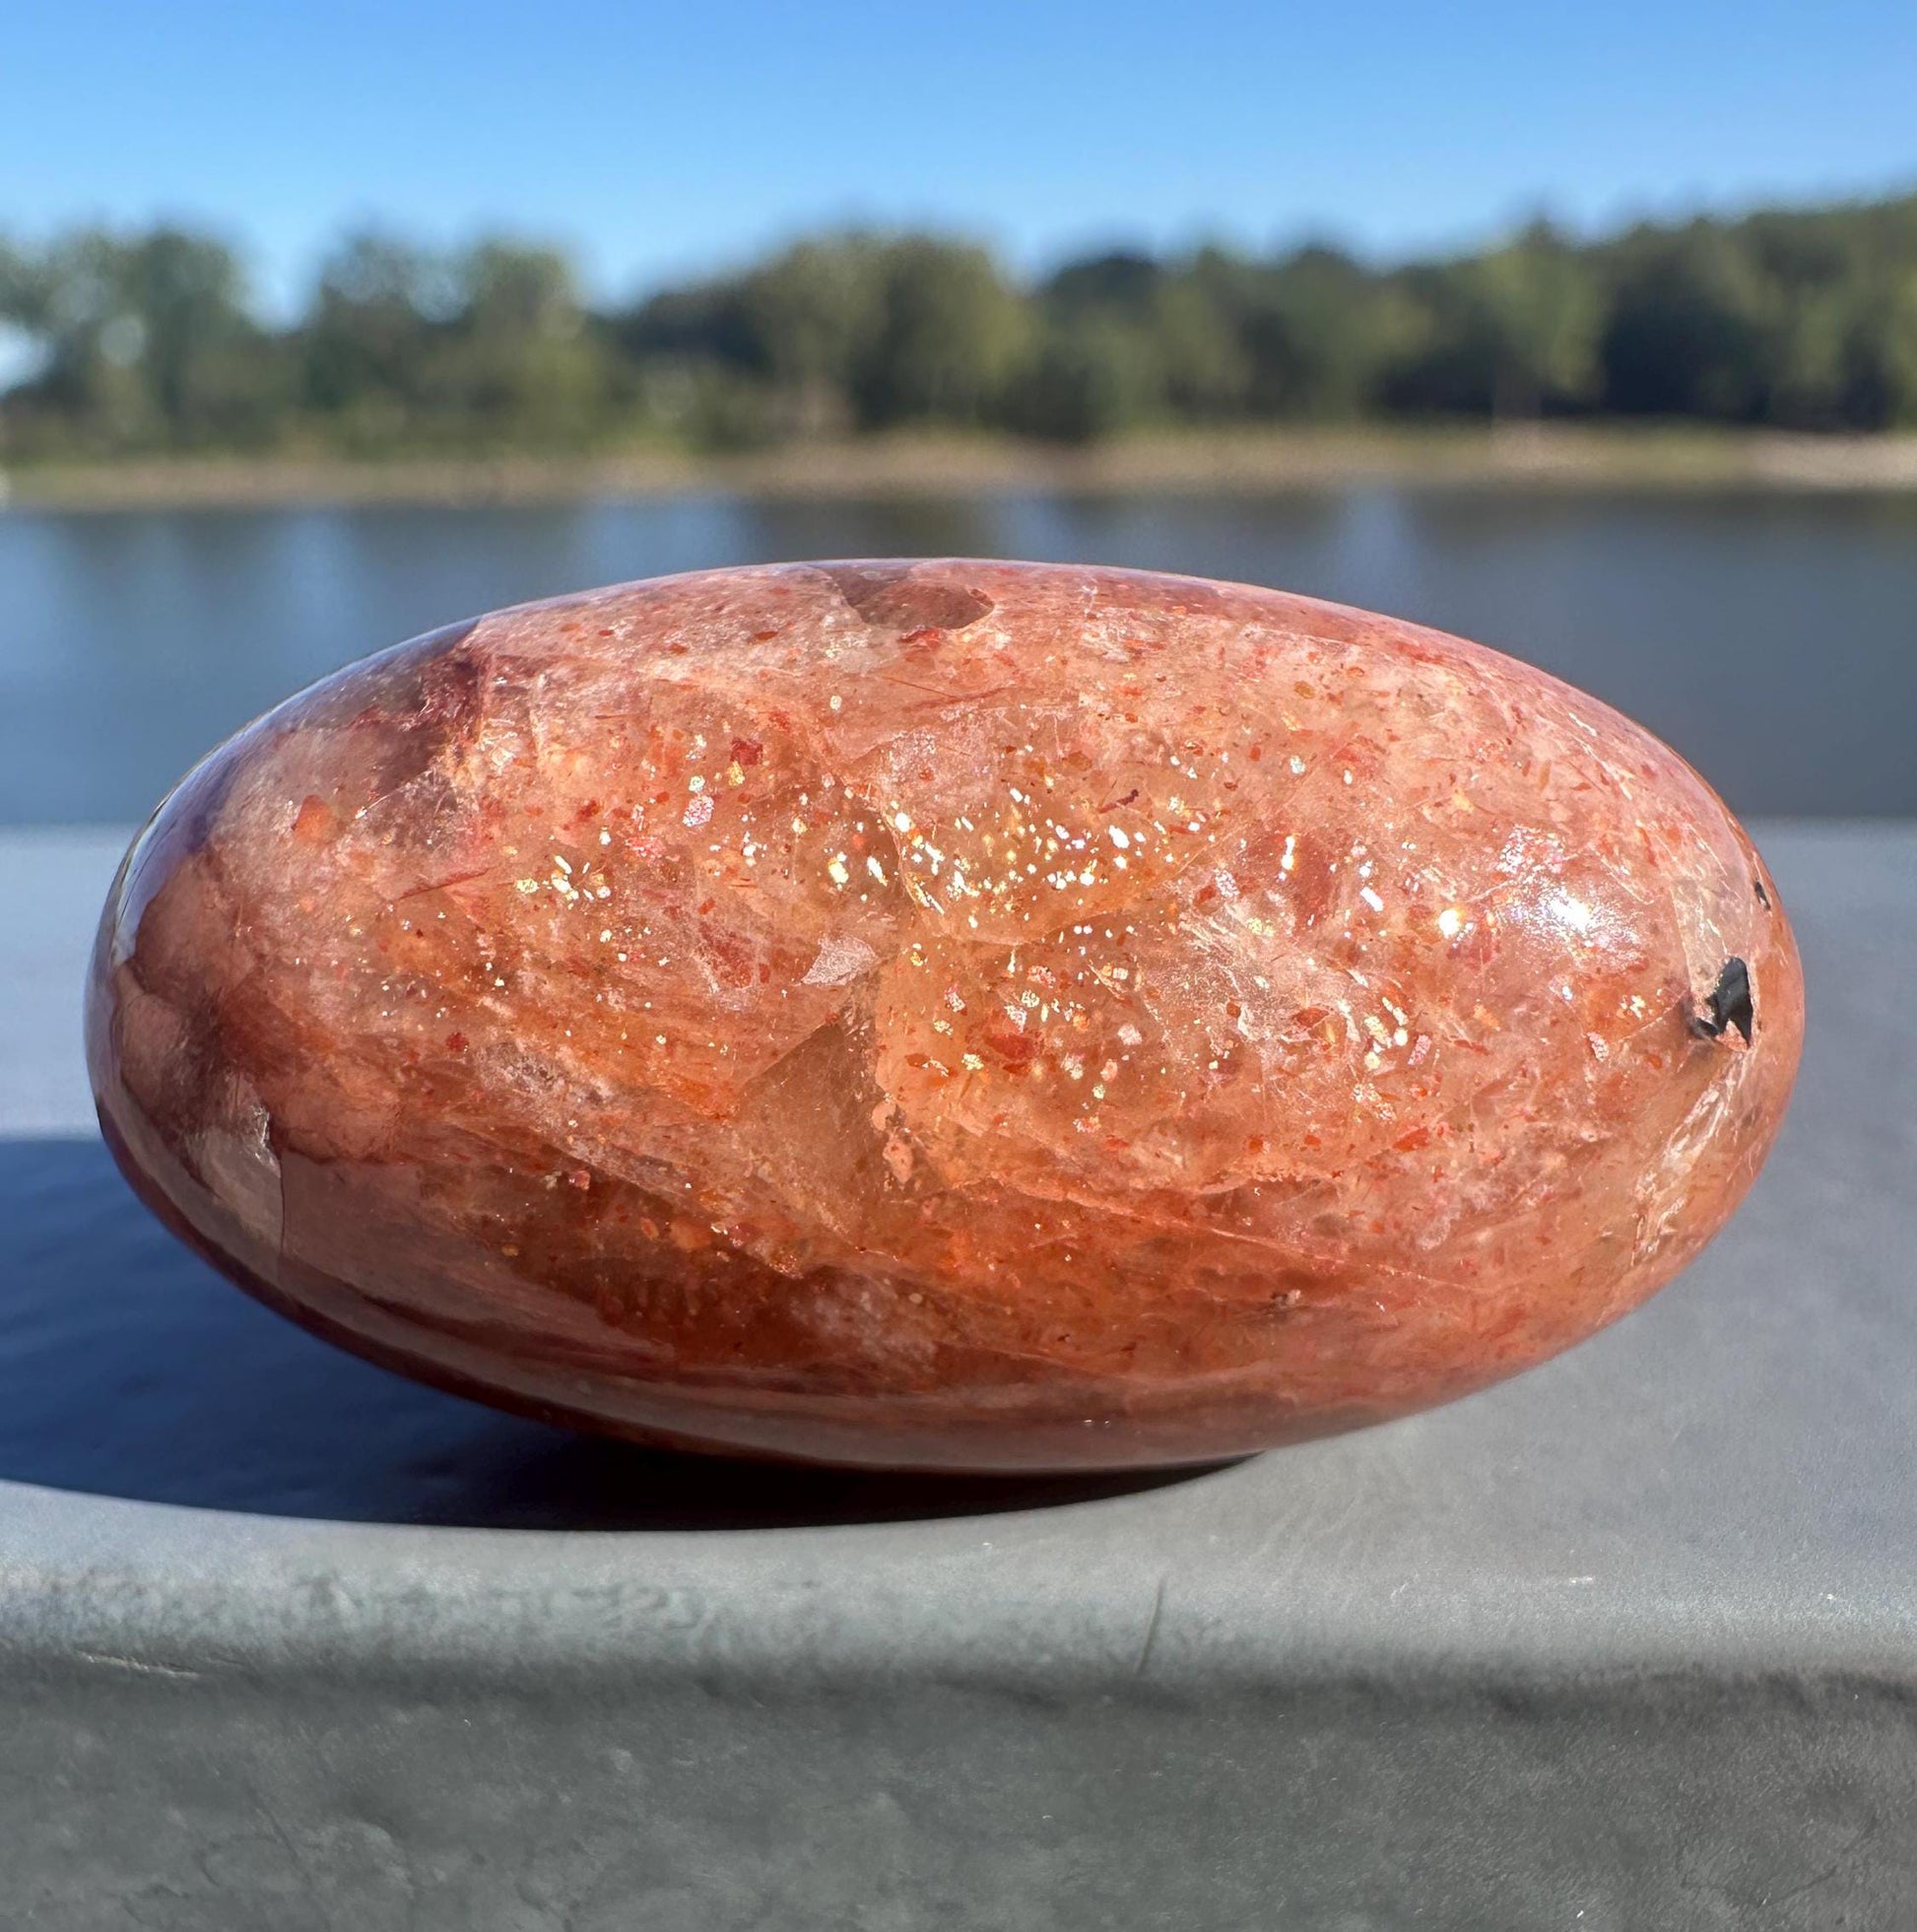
(1772, 637)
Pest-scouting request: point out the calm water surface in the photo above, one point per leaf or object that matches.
(1772, 637)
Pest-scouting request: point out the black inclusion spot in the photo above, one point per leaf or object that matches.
(1763, 897)
(1729, 1005)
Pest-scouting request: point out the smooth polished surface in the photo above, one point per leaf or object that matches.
(1624, 1643)
(951, 1015)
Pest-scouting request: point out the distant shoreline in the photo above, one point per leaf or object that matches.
(1241, 463)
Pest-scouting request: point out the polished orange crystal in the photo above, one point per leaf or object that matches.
(945, 1015)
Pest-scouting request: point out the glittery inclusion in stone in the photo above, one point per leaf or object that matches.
(948, 1015)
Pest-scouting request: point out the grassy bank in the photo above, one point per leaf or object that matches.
(1569, 457)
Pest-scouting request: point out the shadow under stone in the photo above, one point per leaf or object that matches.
(128, 1368)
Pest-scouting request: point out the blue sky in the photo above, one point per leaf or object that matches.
(661, 139)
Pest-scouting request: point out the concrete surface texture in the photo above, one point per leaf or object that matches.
(1630, 1641)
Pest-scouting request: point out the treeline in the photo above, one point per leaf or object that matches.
(148, 342)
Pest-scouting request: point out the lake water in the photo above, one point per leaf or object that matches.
(1772, 637)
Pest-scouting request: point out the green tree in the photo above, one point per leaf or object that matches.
(212, 374)
(949, 337)
(1082, 379)
(1540, 312)
(379, 316)
(1687, 332)
(1803, 319)
(142, 341)
(1318, 328)
(1885, 366)
(808, 319)
(520, 362)
(1512, 333)
(1126, 341)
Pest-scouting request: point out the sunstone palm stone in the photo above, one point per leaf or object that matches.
(945, 1015)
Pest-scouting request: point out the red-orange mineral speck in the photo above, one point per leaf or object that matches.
(945, 1015)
